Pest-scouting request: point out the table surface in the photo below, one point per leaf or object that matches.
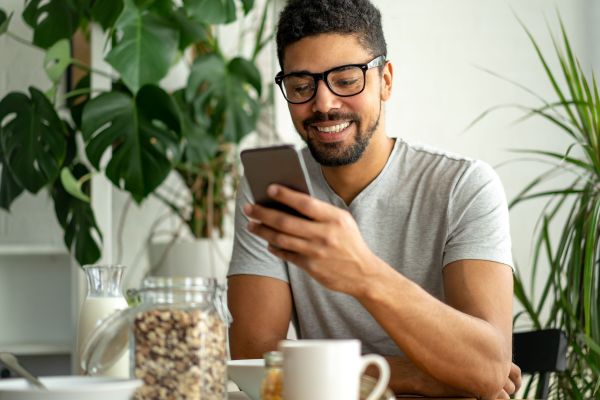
(242, 396)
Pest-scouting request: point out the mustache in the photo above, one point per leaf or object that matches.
(331, 116)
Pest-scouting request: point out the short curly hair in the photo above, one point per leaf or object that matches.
(302, 18)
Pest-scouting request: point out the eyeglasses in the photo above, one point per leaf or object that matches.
(344, 81)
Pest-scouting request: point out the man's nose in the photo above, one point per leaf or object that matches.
(325, 100)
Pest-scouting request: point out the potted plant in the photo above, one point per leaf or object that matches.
(570, 298)
(136, 132)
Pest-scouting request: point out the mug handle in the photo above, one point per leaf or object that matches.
(384, 374)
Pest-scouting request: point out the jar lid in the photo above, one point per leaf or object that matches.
(179, 282)
(273, 359)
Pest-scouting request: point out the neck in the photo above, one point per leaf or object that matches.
(349, 180)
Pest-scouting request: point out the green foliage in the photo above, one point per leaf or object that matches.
(57, 60)
(147, 48)
(570, 295)
(139, 131)
(4, 21)
(32, 139)
(135, 132)
(52, 20)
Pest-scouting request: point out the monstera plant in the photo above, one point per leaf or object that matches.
(135, 132)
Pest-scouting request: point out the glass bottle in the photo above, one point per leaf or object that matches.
(104, 297)
(272, 385)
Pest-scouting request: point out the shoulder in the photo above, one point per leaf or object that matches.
(446, 166)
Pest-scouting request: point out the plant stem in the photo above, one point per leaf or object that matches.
(79, 92)
(21, 40)
(86, 67)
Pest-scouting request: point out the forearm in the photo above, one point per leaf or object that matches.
(452, 347)
(406, 378)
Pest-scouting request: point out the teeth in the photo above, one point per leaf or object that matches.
(334, 128)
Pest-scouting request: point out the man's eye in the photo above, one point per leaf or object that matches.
(346, 82)
(301, 89)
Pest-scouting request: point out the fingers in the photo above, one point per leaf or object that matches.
(509, 387)
(282, 221)
(301, 202)
(503, 395)
(278, 239)
(515, 376)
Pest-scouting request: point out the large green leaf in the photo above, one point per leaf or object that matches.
(32, 139)
(247, 4)
(82, 235)
(225, 95)
(212, 11)
(9, 187)
(142, 133)
(106, 12)
(198, 146)
(4, 21)
(190, 29)
(51, 20)
(57, 59)
(146, 49)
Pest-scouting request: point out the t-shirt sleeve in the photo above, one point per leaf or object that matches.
(250, 255)
(478, 218)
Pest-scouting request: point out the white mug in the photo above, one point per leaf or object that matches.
(328, 370)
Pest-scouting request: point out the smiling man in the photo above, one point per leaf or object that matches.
(406, 248)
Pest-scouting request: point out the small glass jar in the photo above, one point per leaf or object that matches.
(272, 385)
(179, 340)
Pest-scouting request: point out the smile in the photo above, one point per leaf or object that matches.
(333, 128)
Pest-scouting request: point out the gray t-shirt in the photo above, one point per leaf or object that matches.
(424, 210)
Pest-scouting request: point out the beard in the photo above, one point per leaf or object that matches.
(337, 154)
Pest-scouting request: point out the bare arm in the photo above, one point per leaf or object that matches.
(261, 308)
(464, 343)
(463, 346)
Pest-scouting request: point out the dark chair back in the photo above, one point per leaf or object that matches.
(541, 352)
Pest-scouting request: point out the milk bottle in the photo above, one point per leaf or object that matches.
(104, 297)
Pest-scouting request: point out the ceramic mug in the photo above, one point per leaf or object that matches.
(328, 370)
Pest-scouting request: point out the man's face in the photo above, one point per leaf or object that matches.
(336, 129)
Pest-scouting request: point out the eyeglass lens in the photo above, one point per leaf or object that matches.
(344, 81)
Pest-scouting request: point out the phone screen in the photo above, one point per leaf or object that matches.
(281, 164)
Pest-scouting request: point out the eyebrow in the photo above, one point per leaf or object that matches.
(303, 72)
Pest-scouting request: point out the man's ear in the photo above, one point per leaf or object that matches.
(386, 81)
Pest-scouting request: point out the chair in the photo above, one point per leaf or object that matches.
(541, 352)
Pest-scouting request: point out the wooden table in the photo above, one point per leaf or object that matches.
(242, 396)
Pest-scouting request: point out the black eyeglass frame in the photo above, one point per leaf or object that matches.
(374, 63)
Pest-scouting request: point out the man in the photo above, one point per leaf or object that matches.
(405, 248)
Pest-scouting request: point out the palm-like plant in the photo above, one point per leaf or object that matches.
(571, 288)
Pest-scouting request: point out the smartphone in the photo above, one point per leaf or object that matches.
(282, 164)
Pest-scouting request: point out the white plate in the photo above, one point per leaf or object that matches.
(70, 388)
(247, 374)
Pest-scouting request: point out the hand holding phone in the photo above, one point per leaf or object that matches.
(283, 165)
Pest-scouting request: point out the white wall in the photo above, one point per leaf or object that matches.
(435, 46)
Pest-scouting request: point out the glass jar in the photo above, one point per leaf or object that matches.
(272, 385)
(177, 340)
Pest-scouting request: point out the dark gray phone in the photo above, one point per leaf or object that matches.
(282, 164)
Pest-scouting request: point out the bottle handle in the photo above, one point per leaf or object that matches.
(384, 374)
